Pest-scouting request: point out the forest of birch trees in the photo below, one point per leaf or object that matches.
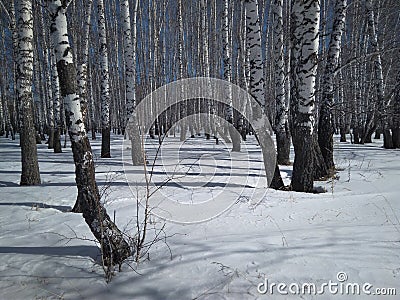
(74, 70)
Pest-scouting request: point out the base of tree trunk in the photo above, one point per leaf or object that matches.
(303, 165)
(57, 141)
(235, 137)
(396, 137)
(377, 135)
(277, 182)
(105, 143)
(342, 135)
(38, 139)
(182, 135)
(30, 174)
(93, 134)
(321, 170)
(387, 139)
(114, 248)
(50, 142)
(356, 136)
(283, 148)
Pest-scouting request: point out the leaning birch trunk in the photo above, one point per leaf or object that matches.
(235, 136)
(104, 82)
(114, 248)
(304, 59)
(257, 90)
(130, 79)
(30, 167)
(326, 122)
(281, 120)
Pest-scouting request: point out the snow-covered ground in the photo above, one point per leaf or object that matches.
(293, 238)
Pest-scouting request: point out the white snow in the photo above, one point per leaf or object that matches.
(47, 252)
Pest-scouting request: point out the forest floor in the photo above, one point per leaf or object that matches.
(349, 234)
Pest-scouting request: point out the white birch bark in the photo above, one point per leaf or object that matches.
(82, 66)
(114, 248)
(55, 86)
(130, 80)
(281, 119)
(182, 105)
(326, 122)
(104, 81)
(257, 89)
(24, 74)
(305, 18)
(379, 83)
(228, 77)
(206, 68)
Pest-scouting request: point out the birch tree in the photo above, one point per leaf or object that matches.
(379, 83)
(304, 59)
(24, 72)
(228, 77)
(114, 248)
(104, 82)
(281, 119)
(130, 79)
(257, 89)
(326, 123)
(182, 104)
(83, 61)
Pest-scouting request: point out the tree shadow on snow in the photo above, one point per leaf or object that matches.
(37, 205)
(87, 251)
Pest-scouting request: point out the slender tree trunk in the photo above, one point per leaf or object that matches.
(325, 125)
(30, 167)
(281, 120)
(114, 248)
(396, 115)
(182, 104)
(379, 83)
(304, 58)
(104, 82)
(257, 89)
(130, 79)
(228, 77)
(17, 105)
(83, 63)
(56, 103)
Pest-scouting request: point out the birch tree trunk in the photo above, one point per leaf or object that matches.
(379, 83)
(257, 90)
(281, 119)
(47, 79)
(326, 122)
(182, 104)
(305, 40)
(396, 115)
(17, 118)
(114, 248)
(30, 167)
(206, 69)
(55, 86)
(130, 79)
(228, 77)
(104, 82)
(83, 64)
